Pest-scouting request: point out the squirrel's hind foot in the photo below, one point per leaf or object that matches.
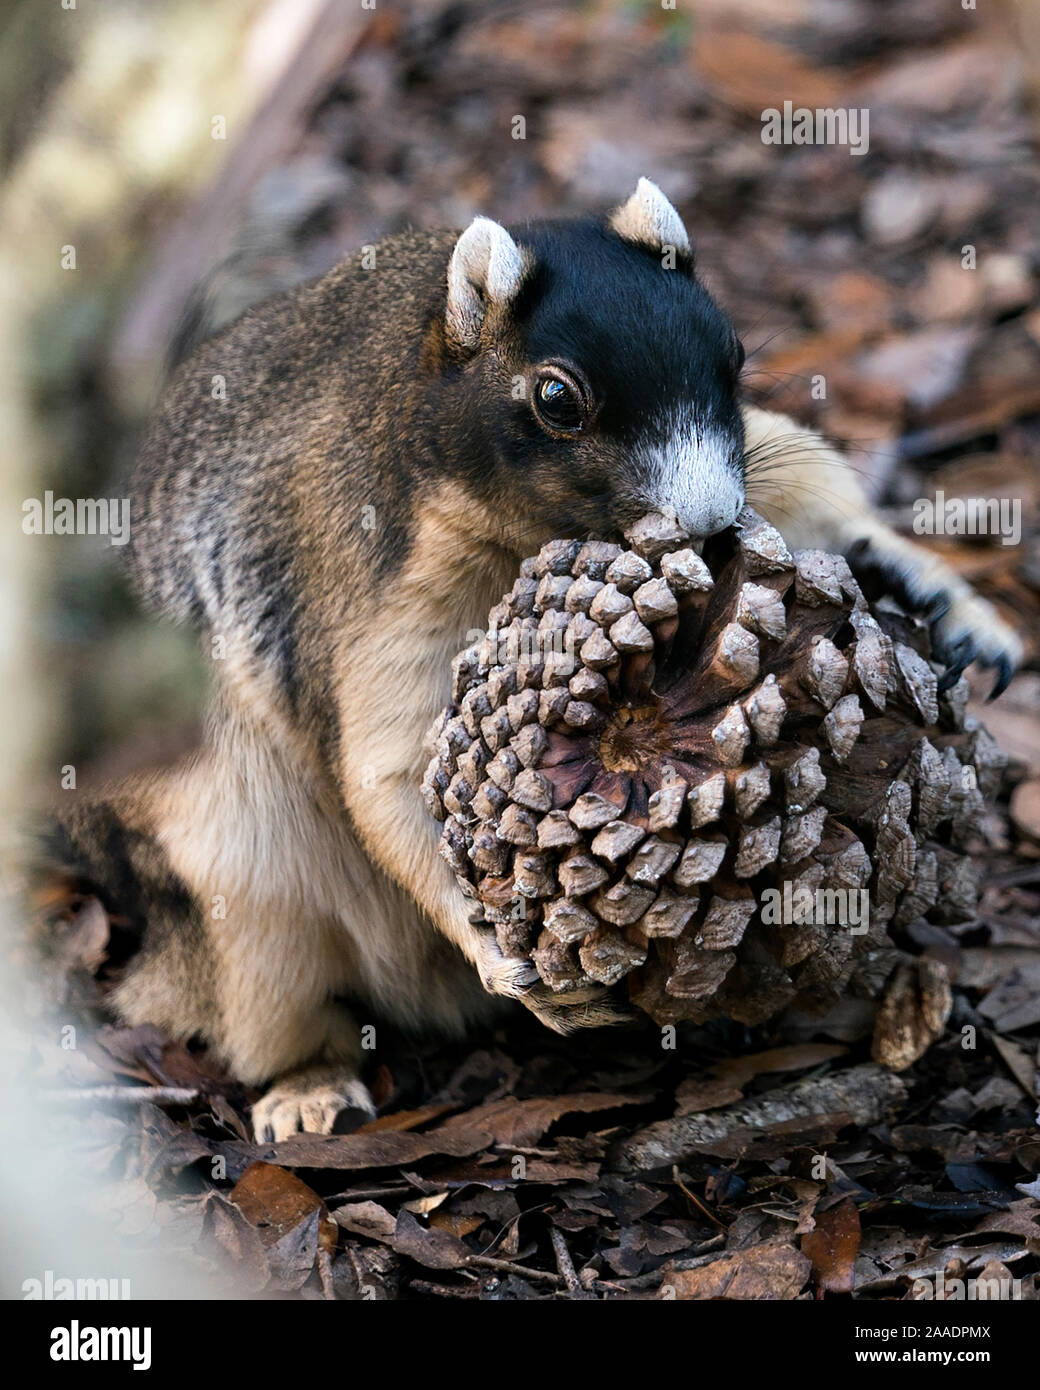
(309, 1101)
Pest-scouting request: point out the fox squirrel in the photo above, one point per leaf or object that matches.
(390, 443)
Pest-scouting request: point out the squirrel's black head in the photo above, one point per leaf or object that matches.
(594, 377)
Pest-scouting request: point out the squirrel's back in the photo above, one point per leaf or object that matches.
(288, 420)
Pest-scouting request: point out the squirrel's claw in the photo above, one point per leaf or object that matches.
(1005, 671)
(969, 630)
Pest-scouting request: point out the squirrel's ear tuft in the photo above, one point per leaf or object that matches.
(649, 219)
(486, 267)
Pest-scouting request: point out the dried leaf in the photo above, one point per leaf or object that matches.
(436, 1249)
(833, 1246)
(763, 1272)
(521, 1123)
(276, 1202)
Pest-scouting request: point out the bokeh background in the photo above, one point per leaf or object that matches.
(199, 155)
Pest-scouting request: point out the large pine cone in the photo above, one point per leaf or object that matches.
(647, 739)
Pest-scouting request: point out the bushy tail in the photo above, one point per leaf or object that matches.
(95, 881)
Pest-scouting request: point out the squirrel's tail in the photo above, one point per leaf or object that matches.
(99, 852)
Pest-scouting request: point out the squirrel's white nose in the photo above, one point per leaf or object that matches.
(694, 478)
(713, 512)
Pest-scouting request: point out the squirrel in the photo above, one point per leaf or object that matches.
(390, 444)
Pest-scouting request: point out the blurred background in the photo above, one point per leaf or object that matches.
(201, 154)
(165, 165)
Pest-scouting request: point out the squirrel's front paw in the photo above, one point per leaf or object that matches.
(964, 627)
(508, 976)
(309, 1101)
(566, 1012)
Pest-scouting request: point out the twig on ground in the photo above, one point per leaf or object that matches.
(564, 1263)
(124, 1095)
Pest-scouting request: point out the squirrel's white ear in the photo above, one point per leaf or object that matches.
(649, 219)
(486, 267)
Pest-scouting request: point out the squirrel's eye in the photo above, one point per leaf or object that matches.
(559, 404)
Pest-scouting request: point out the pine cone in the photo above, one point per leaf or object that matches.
(647, 739)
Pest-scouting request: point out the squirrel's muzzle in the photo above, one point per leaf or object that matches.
(696, 475)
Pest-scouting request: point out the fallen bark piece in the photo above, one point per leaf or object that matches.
(913, 1013)
(861, 1095)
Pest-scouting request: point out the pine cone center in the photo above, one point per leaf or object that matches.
(635, 740)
